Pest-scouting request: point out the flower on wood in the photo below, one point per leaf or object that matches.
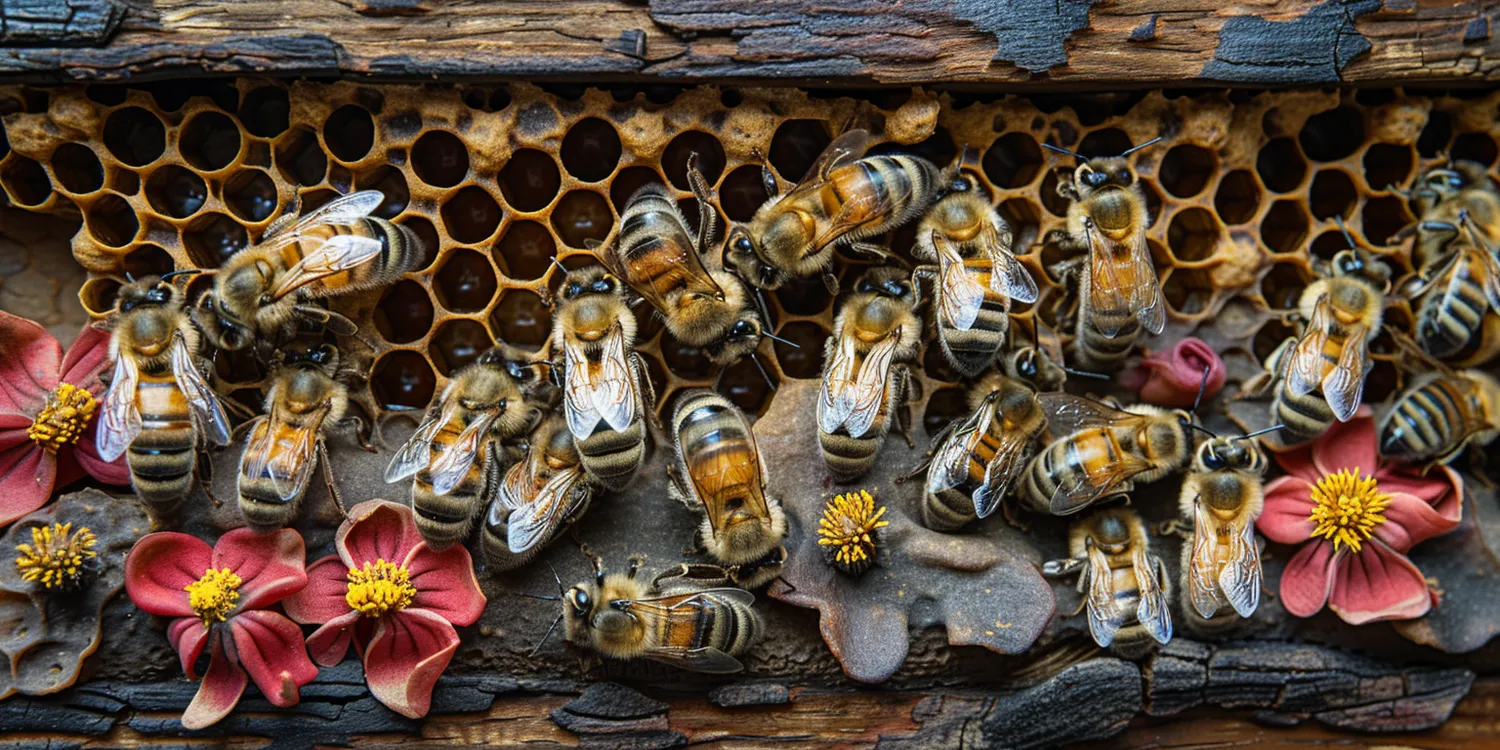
(1173, 377)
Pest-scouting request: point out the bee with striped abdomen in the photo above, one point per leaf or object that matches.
(718, 471)
(540, 494)
(1442, 196)
(1221, 497)
(1118, 289)
(604, 381)
(1458, 318)
(1124, 584)
(159, 411)
(866, 372)
(974, 275)
(842, 200)
(261, 291)
(1442, 413)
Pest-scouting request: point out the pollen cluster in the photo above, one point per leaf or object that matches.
(63, 418)
(1347, 508)
(57, 556)
(214, 595)
(849, 531)
(378, 588)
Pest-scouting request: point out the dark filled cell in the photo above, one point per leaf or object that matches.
(1104, 142)
(1280, 165)
(1238, 197)
(521, 319)
(1054, 203)
(1188, 291)
(937, 148)
(1270, 336)
(176, 192)
(457, 343)
(241, 366)
(580, 216)
(710, 158)
(173, 95)
(1435, 135)
(147, 260)
(1193, 234)
(251, 195)
(211, 238)
(1475, 147)
(112, 221)
(402, 380)
(1333, 135)
(465, 282)
(1382, 380)
(525, 250)
(685, 361)
(1382, 218)
(804, 362)
(210, 141)
(946, 405)
(77, 168)
(427, 236)
(1012, 161)
(1284, 228)
(440, 159)
(340, 179)
(404, 314)
(135, 136)
(301, 159)
(1387, 166)
(1327, 245)
(1283, 285)
(471, 215)
(591, 150)
(390, 183)
(803, 296)
(630, 180)
(109, 96)
(529, 180)
(742, 192)
(349, 133)
(1332, 194)
(25, 181)
(1186, 170)
(745, 384)
(795, 147)
(1024, 218)
(266, 111)
(99, 295)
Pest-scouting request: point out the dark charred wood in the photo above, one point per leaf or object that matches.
(59, 23)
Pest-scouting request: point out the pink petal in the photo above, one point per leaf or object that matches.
(269, 565)
(1296, 462)
(87, 455)
(1409, 522)
(1378, 584)
(1172, 378)
(159, 568)
(219, 692)
(27, 475)
(377, 530)
(330, 643)
(271, 649)
(1307, 578)
(29, 360)
(85, 360)
(1439, 483)
(1286, 518)
(1348, 445)
(409, 651)
(188, 636)
(323, 598)
(445, 583)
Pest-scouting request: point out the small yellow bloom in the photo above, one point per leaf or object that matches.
(1347, 508)
(63, 418)
(56, 556)
(214, 595)
(379, 587)
(847, 531)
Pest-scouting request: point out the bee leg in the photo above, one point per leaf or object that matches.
(831, 283)
(237, 409)
(903, 412)
(363, 431)
(244, 427)
(204, 471)
(333, 489)
(634, 565)
(1008, 511)
(917, 275)
(1173, 527)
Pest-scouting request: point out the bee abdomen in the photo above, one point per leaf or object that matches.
(1444, 330)
(850, 458)
(162, 461)
(612, 458)
(1423, 425)
(1098, 351)
(948, 510)
(731, 626)
(971, 351)
(1306, 416)
(907, 183)
(1041, 481)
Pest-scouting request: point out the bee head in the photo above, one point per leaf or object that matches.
(147, 291)
(742, 338)
(1096, 174)
(591, 280)
(887, 282)
(1111, 533)
(743, 255)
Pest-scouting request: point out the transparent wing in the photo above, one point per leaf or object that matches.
(1152, 612)
(1010, 278)
(833, 407)
(119, 419)
(960, 297)
(259, 448)
(203, 403)
(337, 254)
(416, 453)
(1123, 283)
(1203, 566)
(1080, 489)
(614, 386)
(515, 488)
(342, 210)
(292, 466)
(536, 522)
(449, 470)
(850, 145)
(1007, 463)
(578, 405)
(1344, 385)
(1067, 414)
(950, 464)
(1304, 368)
(1105, 616)
(1240, 578)
(868, 394)
(868, 208)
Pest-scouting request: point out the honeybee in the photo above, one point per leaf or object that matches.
(1040, 363)
(336, 249)
(1457, 318)
(1119, 292)
(159, 410)
(1442, 413)
(658, 256)
(458, 452)
(304, 396)
(604, 379)
(543, 492)
(866, 372)
(618, 616)
(1442, 196)
(1221, 497)
(1124, 584)
(841, 200)
(976, 460)
(1098, 450)
(719, 471)
(975, 276)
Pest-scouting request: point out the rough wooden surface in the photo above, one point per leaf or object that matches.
(1037, 42)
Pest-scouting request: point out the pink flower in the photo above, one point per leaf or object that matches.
(1172, 378)
(1356, 518)
(48, 401)
(220, 597)
(396, 598)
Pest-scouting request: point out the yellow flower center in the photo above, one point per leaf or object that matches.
(63, 418)
(56, 555)
(214, 595)
(1347, 508)
(847, 525)
(379, 587)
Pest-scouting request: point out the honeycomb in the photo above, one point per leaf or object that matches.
(1244, 190)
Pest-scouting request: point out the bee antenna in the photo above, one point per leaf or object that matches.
(1258, 433)
(173, 274)
(545, 636)
(559, 265)
(774, 337)
(1203, 386)
(1347, 237)
(1060, 150)
(555, 577)
(1134, 149)
(763, 372)
(129, 279)
(537, 596)
(1200, 428)
(1468, 222)
(1086, 373)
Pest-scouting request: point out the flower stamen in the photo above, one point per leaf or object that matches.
(379, 587)
(848, 529)
(56, 556)
(214, 595)
(1346, 508)
(63, 418)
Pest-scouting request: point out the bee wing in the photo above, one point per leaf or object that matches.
(851, 144)
(579, 404)
(868, 393)
(614, 386)
(1203, 566)
(291, 466)
(203, 403)
(721, 471)
(1123, 283)
(950, 464)
(1240, 578)
(336, 255)
(1010, 277)
(342, 210)
(416, 453)
(1105, 616)
(517, 483)
(535, 522)
(1152, 612)
(1491, 275)
(833, 406)
(451, 467)
(960, 296)
(1048, 341)
(119, 420)
(1067, 414)
(1082, 488)
(1344, 385)
(1304, 368)
(690, 272)
(866, 209)
(1002, 469)
(684, 615)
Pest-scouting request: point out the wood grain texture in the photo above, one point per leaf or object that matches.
(1025, 43)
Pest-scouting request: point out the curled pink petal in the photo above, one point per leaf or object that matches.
(1378, 583)
(1348, 445)
(377, 530)
(1286, 517)
(323, 598)
(86, 359)
(219, 692)
(405, 657)
(188, 636)
(1297, 461)
(1173, 377)
(330, 643)
(272, 651)
(1308, 578)
(445, 583)
(1438, 486)
(159, 568)
(29, 361)
(27, 476)
(114, 472)
(1409, 522)
(269, 565)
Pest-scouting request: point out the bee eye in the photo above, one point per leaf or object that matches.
(1125, 177)
(742, 244)
(1027, 364)
(767, 275)
(574, 289)
(1455, 181)
(864, 286)
(1095, 179)
(742, 328)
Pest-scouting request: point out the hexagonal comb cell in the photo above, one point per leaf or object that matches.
(300, 158)
(266, 111)
(349, 133)
(77, 168)
(591, 150)
(529, 180)
(25, 181)
(521, 319)
(402, 380)
(525, 250)
(250, 195)
(404, 313)
(210, 141)
(471, 215)
(1285, 226)
(211, 238)
(111, 221)
(1333, 135)
(1186, 170)
(710, 158)
(795, 146)
(175, 192)
(1280, 165)
(1193, 234)
(465, 282)
(580, 216)
(135, 136)
(1387, 165)
(1238, 197)
(1012, 161)
(440, 159)
(457, 343)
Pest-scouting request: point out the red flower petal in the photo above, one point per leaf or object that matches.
(219, 692)
(323, 598)
(1296, 461)
(271, 649)
(159, 568)
(1409, 521)
(1172, 378)
(1308, 577)
(27, 476)
(269, 565)
(1378, 584)
(1429, 487)
(330, 643)
(29, 360)
(377, 530)
(445, 583)
(1286, 518)
(188, 636)
(405, 657)
(1348, 445)
(85, 360)
(86, 455)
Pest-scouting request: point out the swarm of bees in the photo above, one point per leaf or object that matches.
(520, 444)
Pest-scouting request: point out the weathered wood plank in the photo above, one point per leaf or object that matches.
(1017, 43)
